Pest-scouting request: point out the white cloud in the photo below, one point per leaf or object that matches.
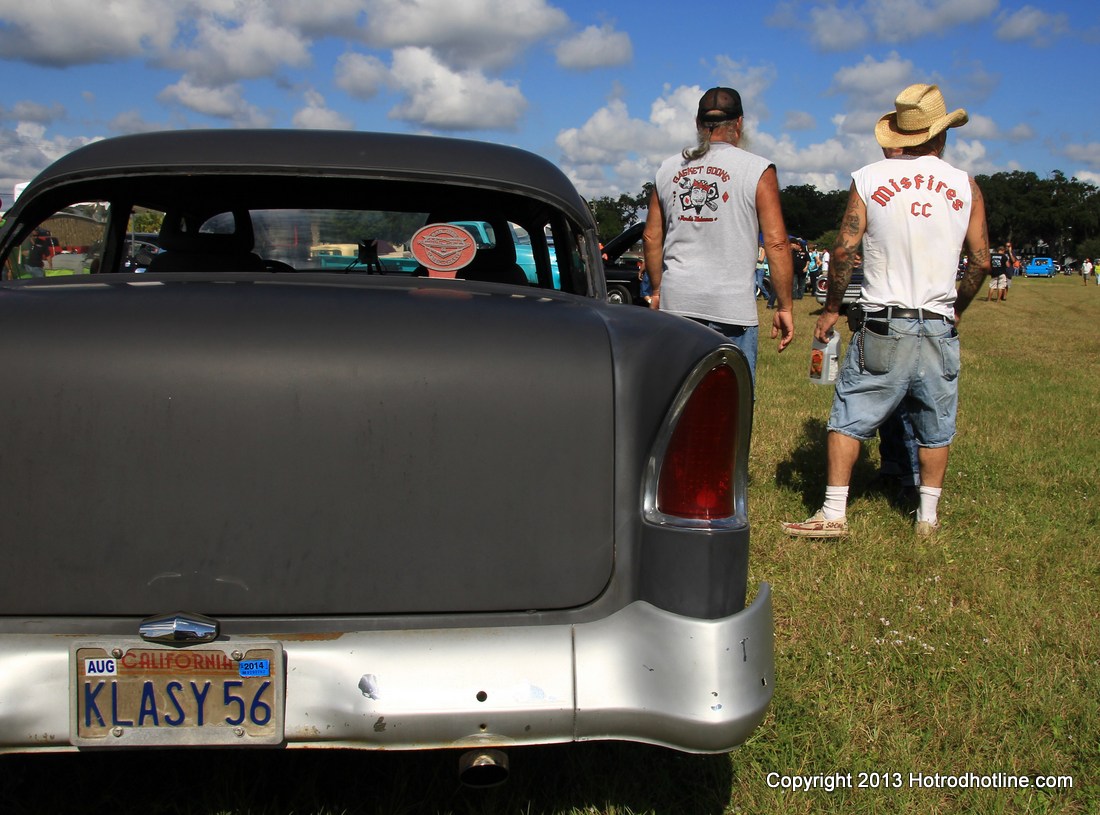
(336, 18)
(75, 32)
(857, 123)
(249, 46)
(673, 113)
(132, 121)
(29, 111)
(905, 20)
(466, 33)
(361, 75)
(874, 84)
(969, 155)
(985, 127)
(834, 27)
(223, 102)
(444, 99)
(612, 152)
(594, 47)
(799, 120)
(316, 115)
(25, 150)
(1020, 133)
(1030, 23)
(750, 81)
(815, 164)
(982, 127)
(597, 142)
(1084, 154)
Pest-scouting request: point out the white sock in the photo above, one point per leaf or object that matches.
(929, 504)
(836, 503)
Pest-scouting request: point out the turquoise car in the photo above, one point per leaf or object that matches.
(1040, 267)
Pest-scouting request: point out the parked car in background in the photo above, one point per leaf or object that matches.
(851, 294)
(139, 250)
(1040, 267)
(623, 260)
(259, 502)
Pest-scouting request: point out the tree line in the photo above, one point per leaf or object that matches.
(1054, 216)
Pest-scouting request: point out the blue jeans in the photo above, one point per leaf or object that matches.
(897, 447)
(915, 362)
(741, 336)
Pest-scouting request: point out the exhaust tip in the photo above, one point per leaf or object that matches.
(481, 769)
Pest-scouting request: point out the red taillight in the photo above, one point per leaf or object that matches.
(696, 475)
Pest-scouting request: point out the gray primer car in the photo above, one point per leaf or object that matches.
(252, 502)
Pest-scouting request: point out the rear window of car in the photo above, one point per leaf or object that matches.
(289, 239)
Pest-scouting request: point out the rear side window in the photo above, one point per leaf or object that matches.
(68, 242)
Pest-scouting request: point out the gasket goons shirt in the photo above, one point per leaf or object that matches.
(711, 234)
(918, 210)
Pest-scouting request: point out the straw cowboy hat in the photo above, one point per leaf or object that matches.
(920, 115)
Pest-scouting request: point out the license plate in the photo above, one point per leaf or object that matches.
(126, 694)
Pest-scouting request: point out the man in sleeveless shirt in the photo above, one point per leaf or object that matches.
(912, 213)
(708, 209)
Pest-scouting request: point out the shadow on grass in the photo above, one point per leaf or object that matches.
(596, 777)
(804, 472)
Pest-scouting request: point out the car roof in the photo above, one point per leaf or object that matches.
(337, 154)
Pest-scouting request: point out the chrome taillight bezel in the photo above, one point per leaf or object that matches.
(732, 358)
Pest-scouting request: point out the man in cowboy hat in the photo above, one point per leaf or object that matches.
(708, 206)
(913, 213)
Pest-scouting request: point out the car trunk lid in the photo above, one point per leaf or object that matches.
(245, 448)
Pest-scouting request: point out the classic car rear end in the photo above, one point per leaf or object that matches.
(251, 501)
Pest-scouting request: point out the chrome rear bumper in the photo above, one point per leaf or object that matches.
(641, 674)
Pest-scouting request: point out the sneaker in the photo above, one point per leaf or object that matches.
(816, 526)
(926, 529)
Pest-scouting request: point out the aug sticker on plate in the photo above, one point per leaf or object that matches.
(101, 667)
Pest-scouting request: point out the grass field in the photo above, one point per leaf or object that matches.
(974, 655)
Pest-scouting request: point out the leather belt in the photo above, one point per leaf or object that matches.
(892, 312)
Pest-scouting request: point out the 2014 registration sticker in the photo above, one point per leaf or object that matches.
(129, 694)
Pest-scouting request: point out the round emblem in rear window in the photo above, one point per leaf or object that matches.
(443, 249)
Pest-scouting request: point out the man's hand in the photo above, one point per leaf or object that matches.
(825, 323)
(655, 300)
(783, 327)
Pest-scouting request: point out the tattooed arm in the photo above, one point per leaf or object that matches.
(848, 239)
(977, 250)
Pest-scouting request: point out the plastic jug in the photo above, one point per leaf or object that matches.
(825, 360)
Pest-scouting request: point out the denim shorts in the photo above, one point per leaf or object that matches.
(913, 362)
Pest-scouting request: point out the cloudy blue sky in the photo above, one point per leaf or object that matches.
(603, 88)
